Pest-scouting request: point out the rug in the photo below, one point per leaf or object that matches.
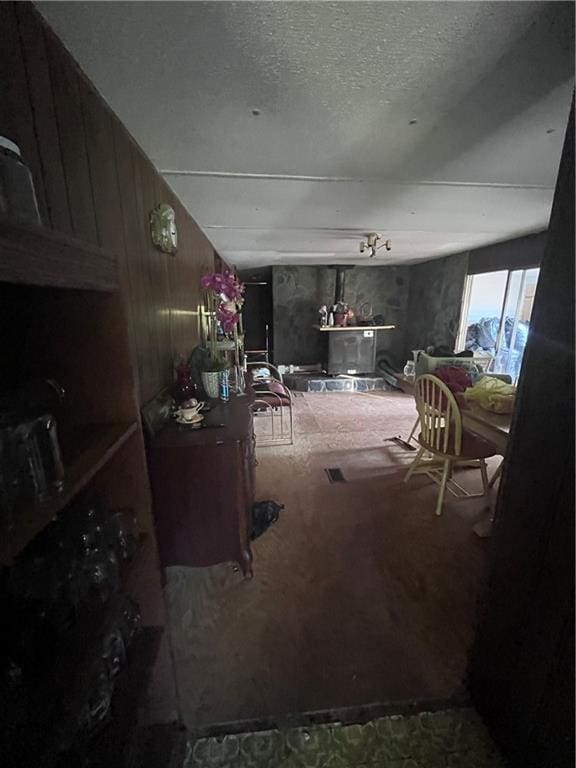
(453, 738)
(360, 594)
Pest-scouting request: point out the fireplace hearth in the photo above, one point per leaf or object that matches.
(321, 382)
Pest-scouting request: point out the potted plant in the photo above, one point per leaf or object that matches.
(212, 366)
(224, 299)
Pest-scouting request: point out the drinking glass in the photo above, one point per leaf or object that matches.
(409, 369)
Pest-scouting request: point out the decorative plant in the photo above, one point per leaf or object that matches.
(224, 285)
(214, 363)
(224, 298)
(228, 316)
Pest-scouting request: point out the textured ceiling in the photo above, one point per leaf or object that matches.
(291, 129)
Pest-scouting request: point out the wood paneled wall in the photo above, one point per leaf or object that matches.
(93, 181)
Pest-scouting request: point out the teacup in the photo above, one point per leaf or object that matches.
(190, 403)
(189, 414)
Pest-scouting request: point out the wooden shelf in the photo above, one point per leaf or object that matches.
(35, 255)
(229, 345)
(94, 446)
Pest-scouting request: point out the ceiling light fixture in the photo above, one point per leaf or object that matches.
(371, 244)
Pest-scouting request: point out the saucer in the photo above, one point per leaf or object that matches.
(196, 420)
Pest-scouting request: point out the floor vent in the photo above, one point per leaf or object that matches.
(335, 475)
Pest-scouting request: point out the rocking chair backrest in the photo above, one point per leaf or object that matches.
(440, 417)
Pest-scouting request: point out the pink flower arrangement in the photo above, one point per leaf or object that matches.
(224, 285)
(227, 318)
(227, 294)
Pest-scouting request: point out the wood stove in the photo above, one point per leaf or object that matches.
(350, 349)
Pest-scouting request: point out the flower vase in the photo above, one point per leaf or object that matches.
(340, 319)
(211, 383)
(184, 387)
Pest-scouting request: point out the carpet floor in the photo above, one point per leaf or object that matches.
(360, 594)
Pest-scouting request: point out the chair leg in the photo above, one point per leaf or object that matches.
(496, 475)
(413, 430)
(484, 473)
(445, 474)
(291, 423)
(414, 464)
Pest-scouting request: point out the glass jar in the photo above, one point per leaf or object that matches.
(17, 194)
(409, 369)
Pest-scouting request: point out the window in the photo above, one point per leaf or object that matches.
(495, 320)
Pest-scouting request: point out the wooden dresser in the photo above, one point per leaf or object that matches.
(203, 488)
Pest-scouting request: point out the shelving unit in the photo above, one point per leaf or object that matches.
(95, 446)
(38, 256)
(229, 345)
(233, 347)
(69, 288)
(62, 316)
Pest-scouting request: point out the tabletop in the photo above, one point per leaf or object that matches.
(223, 423)
(499, 421)
(494, 426)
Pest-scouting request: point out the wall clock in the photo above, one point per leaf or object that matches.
(163, 228)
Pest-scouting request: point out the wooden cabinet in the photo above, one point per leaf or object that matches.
(203, 488)
(71, 290)
(50, 328)
(62, 317)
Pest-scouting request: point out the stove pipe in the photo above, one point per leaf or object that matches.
(341, 282)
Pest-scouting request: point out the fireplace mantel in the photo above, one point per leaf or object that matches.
(354, 327)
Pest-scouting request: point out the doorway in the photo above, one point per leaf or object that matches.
(257, 313)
